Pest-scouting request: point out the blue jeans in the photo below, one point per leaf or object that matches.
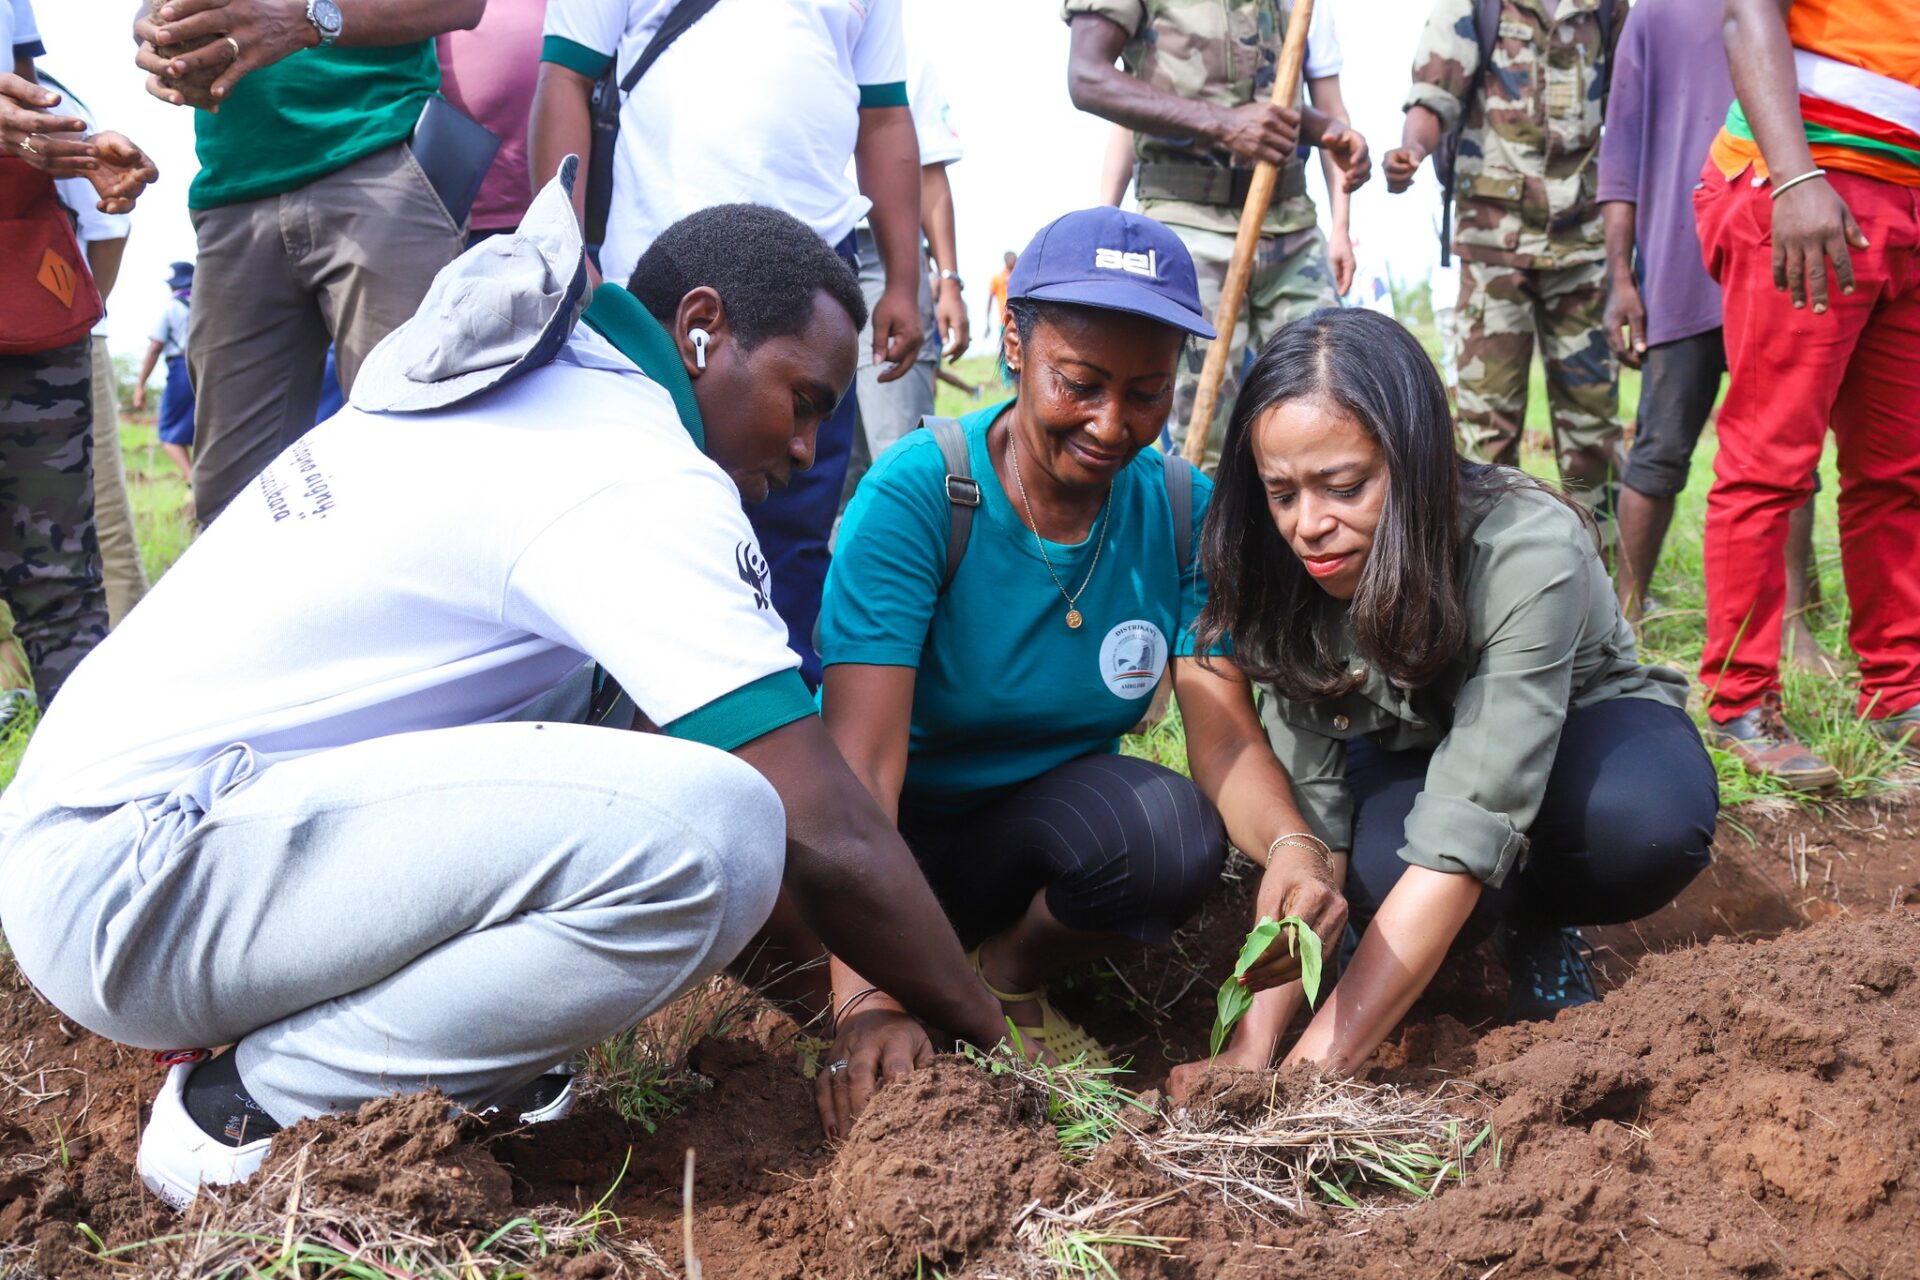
(176, 404)
(794, 524)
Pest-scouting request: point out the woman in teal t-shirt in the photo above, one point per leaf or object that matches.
(984, 710)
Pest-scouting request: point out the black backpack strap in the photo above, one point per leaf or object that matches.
(603, 112)
(963, 491)
(1179, 473)
(684, 15)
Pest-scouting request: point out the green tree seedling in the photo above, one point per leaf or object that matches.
(1235, 999)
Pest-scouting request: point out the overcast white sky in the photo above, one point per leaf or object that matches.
(1030, 155)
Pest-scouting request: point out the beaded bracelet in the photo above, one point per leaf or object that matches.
(1308, 841)
(1781, 188)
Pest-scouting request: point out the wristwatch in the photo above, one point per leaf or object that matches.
(953, 276)
(325, 17)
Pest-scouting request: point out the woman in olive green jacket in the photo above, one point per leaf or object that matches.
(1447, 680)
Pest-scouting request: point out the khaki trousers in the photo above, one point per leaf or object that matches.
(344, 259)
(126, 580)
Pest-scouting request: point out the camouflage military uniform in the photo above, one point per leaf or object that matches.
(1224, 52)
(1527, 231)
(49, 559)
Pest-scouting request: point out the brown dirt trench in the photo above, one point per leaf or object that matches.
(1746, 1102)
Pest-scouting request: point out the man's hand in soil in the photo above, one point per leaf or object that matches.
(1626, 322)
(1348, 150)
(1813, 227)
(878, 1046)
(54, 144)
(1259, 131)
(122, 171)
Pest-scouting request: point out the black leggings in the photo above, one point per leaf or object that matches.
(1627, 821)
(1121, 845)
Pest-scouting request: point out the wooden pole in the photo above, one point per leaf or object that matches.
(1233, 291)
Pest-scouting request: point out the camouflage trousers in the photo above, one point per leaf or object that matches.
(1291, 277)
(49, 556)
(1501, 310)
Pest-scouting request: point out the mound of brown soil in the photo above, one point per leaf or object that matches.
(405, 1154)
(1731, 1109)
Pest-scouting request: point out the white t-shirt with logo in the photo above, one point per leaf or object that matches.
(400, 572)
(759, 101)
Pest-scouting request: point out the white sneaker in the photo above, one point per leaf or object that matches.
(529, 1096)
(178, 1157)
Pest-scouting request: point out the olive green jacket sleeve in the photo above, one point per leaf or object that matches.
(1444, 62)
(1316, 765)
(1530, 590)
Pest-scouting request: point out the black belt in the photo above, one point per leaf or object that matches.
(1210, 183)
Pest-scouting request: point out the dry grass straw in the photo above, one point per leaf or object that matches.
(1319, 1140)
(1073, 1239)
(269, 1230)
(1366, 1147)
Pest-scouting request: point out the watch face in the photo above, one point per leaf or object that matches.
(326, 16)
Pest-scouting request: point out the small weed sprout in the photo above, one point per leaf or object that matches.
(1235, 999)
(1086, 1105)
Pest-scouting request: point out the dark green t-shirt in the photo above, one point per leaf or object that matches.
(307, 116)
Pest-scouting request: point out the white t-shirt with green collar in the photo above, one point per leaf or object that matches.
(759, 102)
(401, 572)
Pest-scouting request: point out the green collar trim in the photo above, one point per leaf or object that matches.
(617, 316)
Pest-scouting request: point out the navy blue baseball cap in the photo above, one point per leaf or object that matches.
(1115, 260)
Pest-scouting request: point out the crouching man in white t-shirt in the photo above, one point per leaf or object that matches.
(352, 832)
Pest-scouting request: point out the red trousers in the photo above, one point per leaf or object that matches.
(1792, 374)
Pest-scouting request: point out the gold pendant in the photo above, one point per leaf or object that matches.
(1073, 619)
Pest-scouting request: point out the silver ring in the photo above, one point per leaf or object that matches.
(27, 147)
(835, 1068)
(236, 48)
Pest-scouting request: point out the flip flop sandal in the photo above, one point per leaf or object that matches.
(1065, 1039)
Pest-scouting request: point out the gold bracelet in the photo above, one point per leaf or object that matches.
(1308, 841)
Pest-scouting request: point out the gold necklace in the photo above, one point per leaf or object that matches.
(1033, 526)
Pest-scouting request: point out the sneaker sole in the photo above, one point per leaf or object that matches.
(176, 1159)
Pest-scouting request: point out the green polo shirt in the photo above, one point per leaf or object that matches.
(311, 114)
(1544, 637)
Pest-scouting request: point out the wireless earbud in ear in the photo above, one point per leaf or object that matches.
(699, 338)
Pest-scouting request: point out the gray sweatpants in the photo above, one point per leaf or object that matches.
(458, 907)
